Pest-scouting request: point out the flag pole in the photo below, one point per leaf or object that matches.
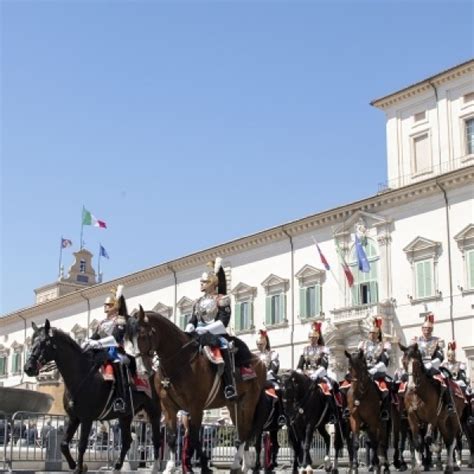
(331, 271)
(60, 256)
(98, 264)
(82, 228)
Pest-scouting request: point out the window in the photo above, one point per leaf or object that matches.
(424, 287)
(310, 301)
(16, 362)
(82, 266)
(421, 154)
(470, 136)
(244, 316)
(3, 365)
(275, 309)
(470, 269)
(365, 289)
(184, 319)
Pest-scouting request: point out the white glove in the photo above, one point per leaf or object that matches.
(373, 371)
(436, 363)
(201, 329)
(189, 328)
(92, 344)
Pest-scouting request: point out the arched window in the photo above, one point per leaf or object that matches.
(365, 289)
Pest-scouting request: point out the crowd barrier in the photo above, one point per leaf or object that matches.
(32, 441)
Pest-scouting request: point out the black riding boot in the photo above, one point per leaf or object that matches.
(230, 392)
(448, 399)
(120, 404)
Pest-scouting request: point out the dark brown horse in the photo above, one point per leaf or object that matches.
(424, 404)
(88, 396)
(185, 380)
(364, 405)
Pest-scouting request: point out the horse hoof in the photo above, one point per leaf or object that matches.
(403, 467)
(371, 469)
(335, 471)
(386, 470)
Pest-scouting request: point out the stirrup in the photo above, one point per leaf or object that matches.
(346, 413)
(230, 392)
(119, 405)
(450, 408)
(384, 415)
(281, 420)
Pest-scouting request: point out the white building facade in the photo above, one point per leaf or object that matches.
(418, 233)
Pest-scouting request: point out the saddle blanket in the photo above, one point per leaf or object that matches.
(402, 388)
(456, 390)
(439, 378)
(213, 354)
(325, 388)
(271, 392)
(344, 385)
(142, 385)
(381, 385)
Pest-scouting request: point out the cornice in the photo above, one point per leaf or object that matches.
(425, 85)
(376, 203)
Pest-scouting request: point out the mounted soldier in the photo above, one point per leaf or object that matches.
(209, 320)
(269, 357)
(109, 336)
(314, 363)
(432, 352)
(377, 357)
(456, 368)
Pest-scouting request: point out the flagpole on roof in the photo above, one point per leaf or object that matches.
(98, 263)
(82, 228)
(60, 256)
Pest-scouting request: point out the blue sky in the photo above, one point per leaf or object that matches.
(187, 124)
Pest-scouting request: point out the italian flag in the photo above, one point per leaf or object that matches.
(89, 219)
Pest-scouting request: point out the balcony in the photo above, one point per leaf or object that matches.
(352, 314)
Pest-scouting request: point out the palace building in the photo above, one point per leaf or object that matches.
(417, 232)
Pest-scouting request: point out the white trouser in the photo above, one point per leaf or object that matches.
(318, 373)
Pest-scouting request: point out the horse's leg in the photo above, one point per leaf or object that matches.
(191, 442)
(458, 449)
(355, 451)
(83, 442)
(295, 444)
(327, 447)
(403, 439)
(126, 435)
(171, 440)
(71, 428)
(449, 455)
(338, 445)
(307, 462)
(274, 448)
(258, 449)
(418, 445)
(154, 417)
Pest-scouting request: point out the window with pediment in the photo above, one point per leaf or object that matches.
(243, 310)
(365, 290)
(310, 281)
(423, 254)
(3, 361)
(79, 333)
(276, 289)
(164, 310)
(185, 308)
(17, 357)
(465, 241)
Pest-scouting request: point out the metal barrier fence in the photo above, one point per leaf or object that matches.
(32, 441)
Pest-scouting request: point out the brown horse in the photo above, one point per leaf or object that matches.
(424, 404)
(185, 380)
(364, 405)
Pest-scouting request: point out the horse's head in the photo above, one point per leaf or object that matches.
(42, 349)
(412, 360)
(293, 385)
(144, 336)
(357, 363)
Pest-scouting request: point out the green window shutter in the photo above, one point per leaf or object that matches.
(420, 279)
(373, 292)
(470, 269)
(303, 314)
(268, 310)
(429, 283)
(238, 318)
(283, 307)
(251, 314)
(355, 295)
(317, 295)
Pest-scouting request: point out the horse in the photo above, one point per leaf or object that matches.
(364, 405)
(400, 430)
(424, 404)
(88, 397)
(306, 408)
(185, 380)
